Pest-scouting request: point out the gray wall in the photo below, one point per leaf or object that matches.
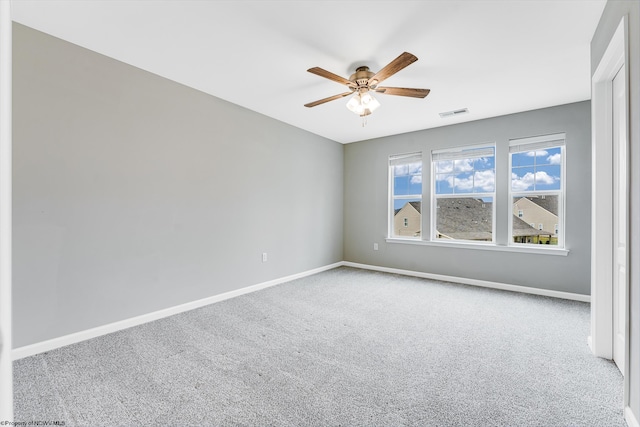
(366, 198)
(613, 13)
(133, 193)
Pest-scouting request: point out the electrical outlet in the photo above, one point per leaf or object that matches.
(375, 246)
(264, 257)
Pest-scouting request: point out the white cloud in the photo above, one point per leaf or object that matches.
(444, 166)
(400, 170)
(539, 153)
(416, 179)
(463, 165)
(480, 180)
(484, 160)
(462, 184)
(521, 183)
(485, 180)
(458, 165)
(407, 169)
(555, 159)
(415, 168)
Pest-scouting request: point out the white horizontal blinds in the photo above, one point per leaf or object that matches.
(404, 159)
(536, 143)
(454, 154)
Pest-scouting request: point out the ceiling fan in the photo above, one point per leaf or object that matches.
(364, 81)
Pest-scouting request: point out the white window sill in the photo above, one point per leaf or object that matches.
(530, 249)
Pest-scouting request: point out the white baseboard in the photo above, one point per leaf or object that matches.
(630, 418)
(41, 347)
(475, 282)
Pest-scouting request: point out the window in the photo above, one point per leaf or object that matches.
(537, 190)
(464, 192)
(405, 173)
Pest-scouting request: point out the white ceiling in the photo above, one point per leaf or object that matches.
(492, 57)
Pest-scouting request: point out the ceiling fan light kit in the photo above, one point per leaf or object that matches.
(363, 81)
(363, 104)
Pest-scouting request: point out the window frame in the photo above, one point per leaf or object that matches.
(520, 145)
(502, 233)
(395, 160)
(454, 153)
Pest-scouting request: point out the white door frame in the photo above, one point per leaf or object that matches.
(601, 339)
(6, 375)
(620, 217)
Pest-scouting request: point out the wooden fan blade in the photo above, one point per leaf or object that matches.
(329, 75)
(403, 91)
(405, 59)
(331, 98)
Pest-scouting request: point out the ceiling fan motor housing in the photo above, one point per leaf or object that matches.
(361, 77)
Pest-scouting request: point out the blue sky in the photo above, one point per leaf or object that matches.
(465, 175)
(536, 170)
(407, 180)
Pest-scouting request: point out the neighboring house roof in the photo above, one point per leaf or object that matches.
(549, 203)
(522, 228)
(465, 218)
(471, 219)
(416, 206)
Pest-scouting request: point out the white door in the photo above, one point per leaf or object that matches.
(620, 203)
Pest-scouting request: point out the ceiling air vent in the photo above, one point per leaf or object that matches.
(454, 113)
